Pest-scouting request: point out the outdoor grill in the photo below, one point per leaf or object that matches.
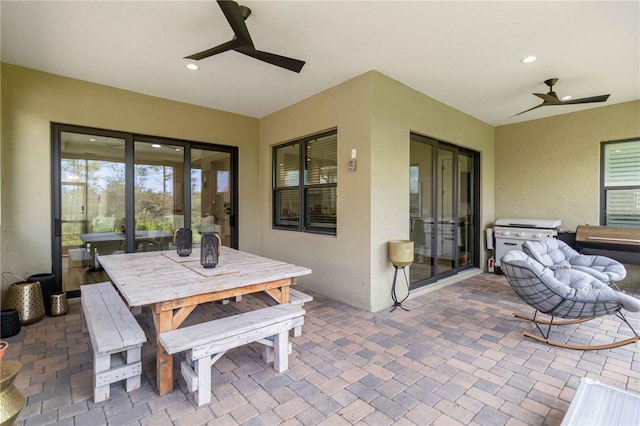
(622, 244)
(511, 233)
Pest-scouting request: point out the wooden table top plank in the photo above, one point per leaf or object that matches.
(153, 277)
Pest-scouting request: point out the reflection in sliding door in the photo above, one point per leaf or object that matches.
(159, 210)
(466, 212)
(211, 194)
(445, 235)
(443, 209)
(92, 202)
(421, 181)
(117, 192)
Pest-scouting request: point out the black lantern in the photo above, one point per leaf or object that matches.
(182, 240)
(209, 249)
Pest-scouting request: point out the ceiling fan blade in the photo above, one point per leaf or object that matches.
(291, 64)
(551, 98)
(530, 109)
(233, 14)
(548, 99)
(601, 98)
(230, 45)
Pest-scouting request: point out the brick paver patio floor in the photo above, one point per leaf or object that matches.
(457, 357)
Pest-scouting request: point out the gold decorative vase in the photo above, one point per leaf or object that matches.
(26, 298)
(11, 400)
(59, 304)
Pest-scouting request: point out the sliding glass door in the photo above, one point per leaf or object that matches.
(443, 208)
(467, 206)
(211, 196)
(92, 203)
(115, 192)
(158, 194)
(444, 224)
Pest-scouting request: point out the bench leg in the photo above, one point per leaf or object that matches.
(202, 368)
(296, 331)
(133, 356)
(281, 351)
(101, 363)
(267, 354)
(267, 350)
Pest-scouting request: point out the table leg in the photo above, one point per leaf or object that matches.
(280, 294)
(164, 362)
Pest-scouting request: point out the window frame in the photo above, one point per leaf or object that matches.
(302, 188)
(603, 187)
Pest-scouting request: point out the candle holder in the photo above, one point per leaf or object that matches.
(210, 246)
(183, 240)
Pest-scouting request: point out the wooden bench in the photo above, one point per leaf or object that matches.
(297, 297)
(113, 331)
(207, 342)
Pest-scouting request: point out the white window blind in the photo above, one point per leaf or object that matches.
(622, 183)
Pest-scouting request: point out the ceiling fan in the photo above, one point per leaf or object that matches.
(551, 98)
(242, 43)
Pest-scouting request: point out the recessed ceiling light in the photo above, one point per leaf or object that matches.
(566, 98)
(192, 66)
(528, 59)
(92, 139)
(156, 145)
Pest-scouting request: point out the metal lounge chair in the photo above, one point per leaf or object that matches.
(556, 254)
(569, 294)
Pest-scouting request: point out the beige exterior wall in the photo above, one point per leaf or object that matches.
(31, 100)
(550, 168)
(374, 115)
(399, 110)
(340, 264)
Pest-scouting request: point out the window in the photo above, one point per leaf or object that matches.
(306, 201)
(620, 195)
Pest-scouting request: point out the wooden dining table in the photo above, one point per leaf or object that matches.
(174, 286)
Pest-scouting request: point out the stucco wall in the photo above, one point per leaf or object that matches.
(31, 100)
(340, 264)
(375, 115)
(550, 168)
(399, 110)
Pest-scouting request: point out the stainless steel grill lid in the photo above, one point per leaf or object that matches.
(530, 223)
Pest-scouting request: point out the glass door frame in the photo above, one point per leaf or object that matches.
(435, 146)
(130, 138)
